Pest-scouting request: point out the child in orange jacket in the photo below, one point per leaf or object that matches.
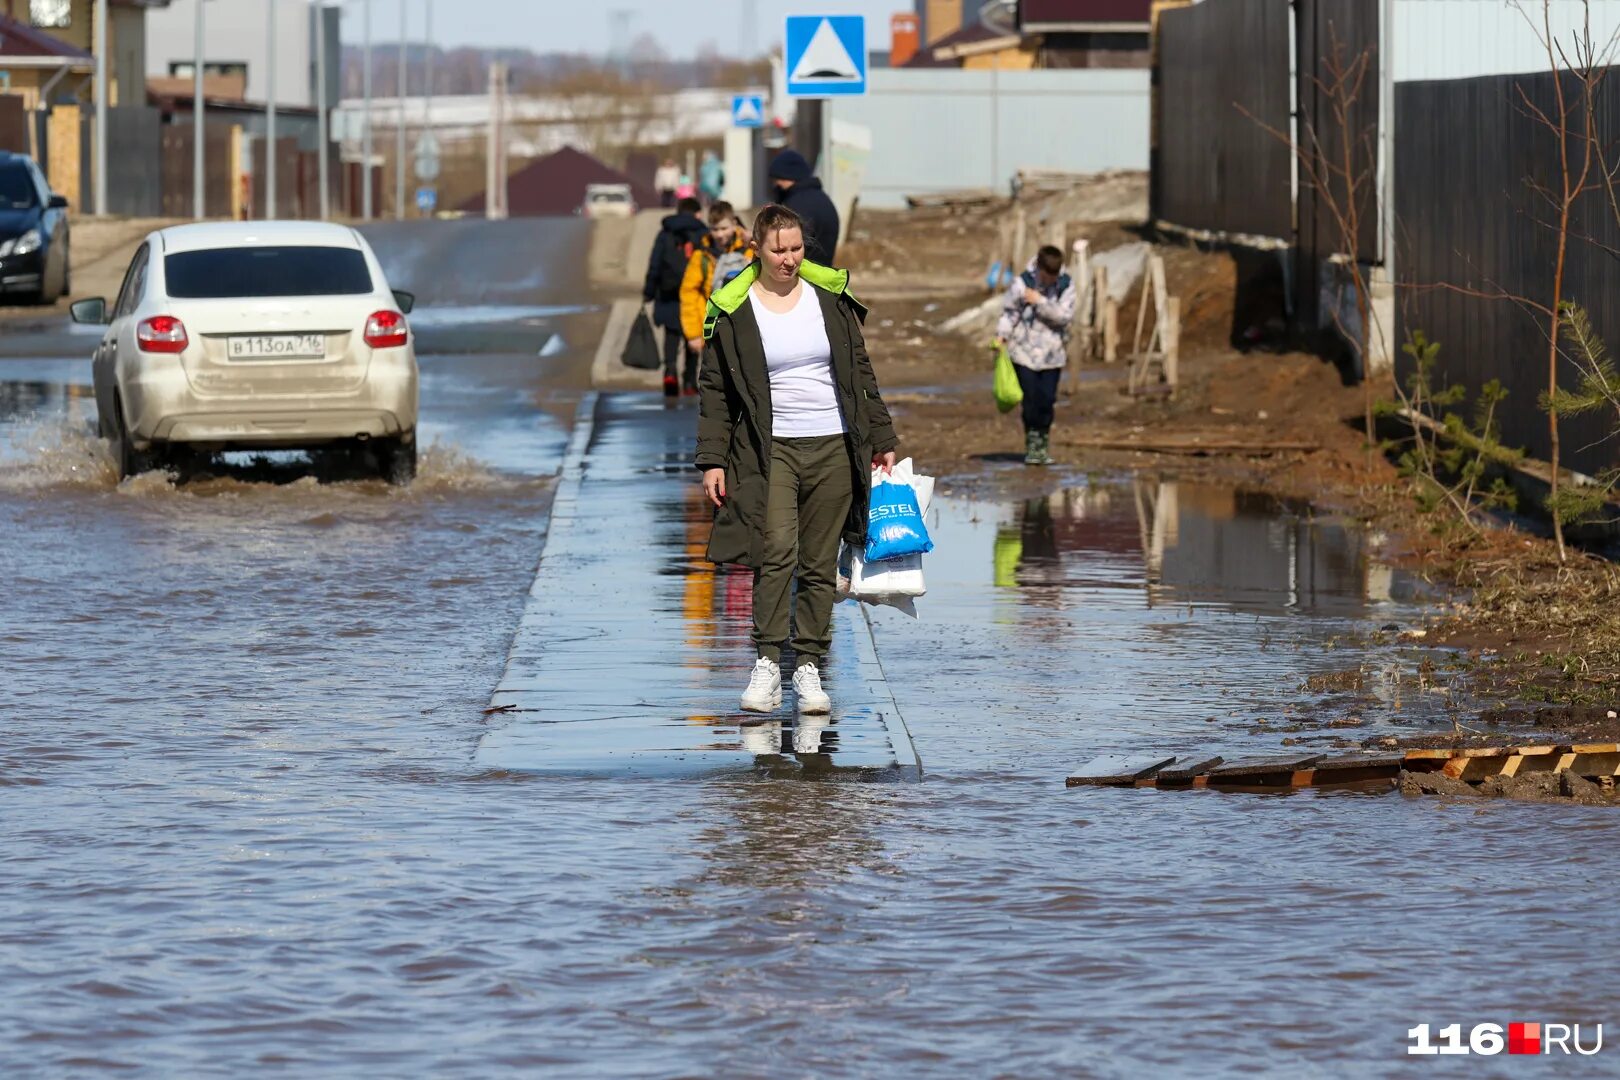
(722, 255)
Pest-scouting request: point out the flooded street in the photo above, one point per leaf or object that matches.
(248, 828)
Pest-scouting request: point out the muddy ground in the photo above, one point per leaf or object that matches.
(1523, 627)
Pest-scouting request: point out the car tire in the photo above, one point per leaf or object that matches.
(396, 460)
(130, 461)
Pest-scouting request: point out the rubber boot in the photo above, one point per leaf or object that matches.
(1043, 448)
(1032, 448)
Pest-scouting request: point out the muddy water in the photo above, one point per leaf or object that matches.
(243, 830)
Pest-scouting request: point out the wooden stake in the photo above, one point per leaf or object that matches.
(1099, 306)
(1110, 331)
(1172, 343)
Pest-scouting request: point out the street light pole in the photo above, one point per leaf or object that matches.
(104, 10)
(270, 120)
(365, 120)
(320, 110)
(399, 122)
(198, 205)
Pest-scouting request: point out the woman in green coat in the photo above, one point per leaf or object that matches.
(791, 426)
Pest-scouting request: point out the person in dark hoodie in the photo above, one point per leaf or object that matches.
(799, 190)
(683, 231)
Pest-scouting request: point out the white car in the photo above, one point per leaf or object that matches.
(608, 201)
(256, 335)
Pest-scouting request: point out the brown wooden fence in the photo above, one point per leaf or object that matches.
(1469, 226)
(179, 180)
(14, 124)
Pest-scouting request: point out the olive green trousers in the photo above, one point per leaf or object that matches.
(811, 486)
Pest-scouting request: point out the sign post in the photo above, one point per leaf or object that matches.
(825, 57)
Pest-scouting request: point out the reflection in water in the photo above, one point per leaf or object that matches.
(1193, 544)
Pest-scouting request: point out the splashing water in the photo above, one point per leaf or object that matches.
(57, 454)
(41, 454)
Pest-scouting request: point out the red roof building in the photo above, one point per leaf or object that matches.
(554, 186)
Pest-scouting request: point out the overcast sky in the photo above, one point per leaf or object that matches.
(681, 26)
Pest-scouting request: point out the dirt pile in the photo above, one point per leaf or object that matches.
(1564, 787)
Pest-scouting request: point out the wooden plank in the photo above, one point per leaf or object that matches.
(1118, 770)
(1186, 770)
(1280, 764)
(1355, 769)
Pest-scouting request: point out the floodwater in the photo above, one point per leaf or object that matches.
(244, 830)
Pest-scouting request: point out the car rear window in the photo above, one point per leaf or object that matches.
(225, 273)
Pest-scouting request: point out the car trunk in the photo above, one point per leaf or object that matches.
(262, 327)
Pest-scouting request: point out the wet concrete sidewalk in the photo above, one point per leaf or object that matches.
(633, 649)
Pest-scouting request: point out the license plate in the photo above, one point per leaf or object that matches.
(276, 347)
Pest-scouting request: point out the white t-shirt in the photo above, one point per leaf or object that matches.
(804, 403)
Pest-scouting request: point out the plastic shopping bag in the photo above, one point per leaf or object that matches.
(895, 516)
(896, 582)
(641, 350)
(1009, 395)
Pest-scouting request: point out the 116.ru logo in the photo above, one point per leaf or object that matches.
(1488, 1039)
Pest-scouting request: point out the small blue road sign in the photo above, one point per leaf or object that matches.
(825, 55)
(747, 111)
(426, 199)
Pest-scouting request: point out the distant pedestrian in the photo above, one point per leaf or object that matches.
(723, 254)
(711, 177)
(680, 235)
(1034, 326)
(790, 428)
(665, 181)
(799, 190)
(685, 189)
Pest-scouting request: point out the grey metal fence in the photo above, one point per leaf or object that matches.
(1227, 139)
(134, 161)
(1475, 244)
(1223, 73)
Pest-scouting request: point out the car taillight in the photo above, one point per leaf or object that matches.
(162, 334)
(385, 330)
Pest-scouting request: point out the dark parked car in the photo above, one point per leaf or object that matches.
(33, 234)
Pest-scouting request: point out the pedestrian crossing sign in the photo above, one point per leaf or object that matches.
(747, 111)
(825, 55)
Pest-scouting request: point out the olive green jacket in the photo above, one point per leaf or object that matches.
(734, 424)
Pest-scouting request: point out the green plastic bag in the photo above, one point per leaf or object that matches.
(1009, 395)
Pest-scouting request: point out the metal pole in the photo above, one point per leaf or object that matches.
(399, 122)
(365, 121)
(427, 42)
(320, 110)
(270, 120)
(491, 203)
(101, 106)
(198, 206)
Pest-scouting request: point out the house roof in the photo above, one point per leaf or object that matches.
(1047, 15)
(19, 40)
(944, 52)
(554, 186)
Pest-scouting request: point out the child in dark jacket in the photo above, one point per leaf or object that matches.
(682, 232)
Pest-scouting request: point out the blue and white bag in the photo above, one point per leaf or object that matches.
(896, 582)
(895, 524)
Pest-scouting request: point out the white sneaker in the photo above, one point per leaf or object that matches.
(807, 688)
(764, 692)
